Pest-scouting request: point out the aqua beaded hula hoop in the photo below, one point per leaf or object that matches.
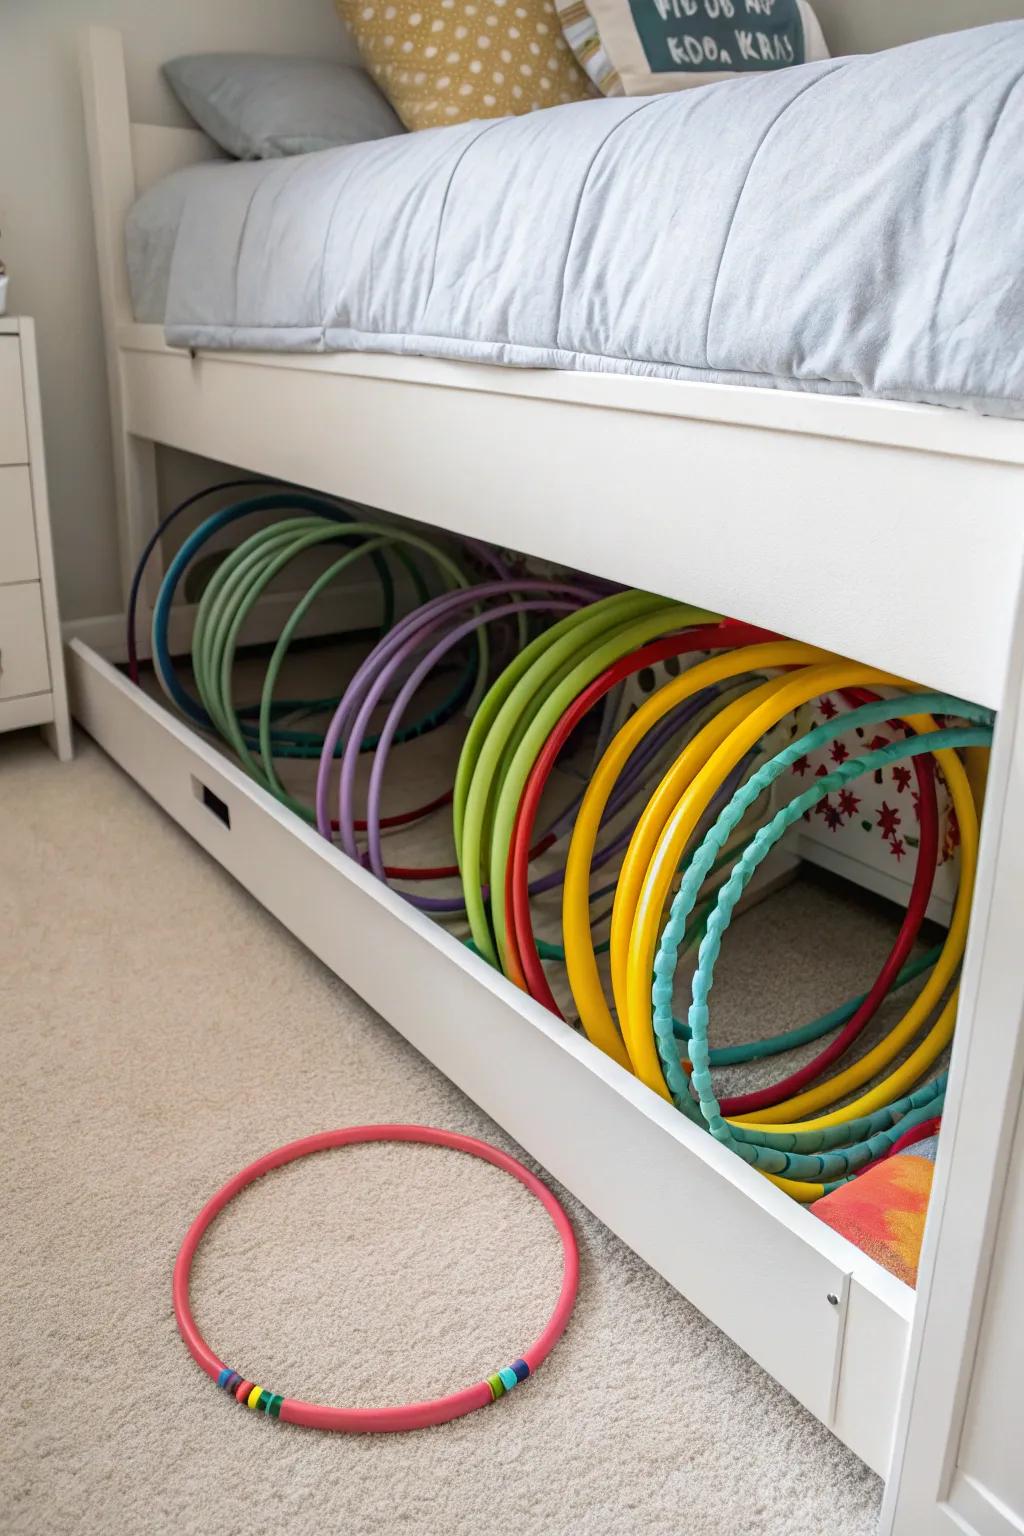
(409, 1415)
(815, 1154)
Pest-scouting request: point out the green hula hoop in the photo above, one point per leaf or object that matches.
(522, 723)
(237, 585)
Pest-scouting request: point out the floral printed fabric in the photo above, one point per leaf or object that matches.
(874, 821)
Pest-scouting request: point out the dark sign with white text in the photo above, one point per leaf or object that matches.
(719, 36)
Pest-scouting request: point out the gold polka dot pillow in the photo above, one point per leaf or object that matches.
(449, 61)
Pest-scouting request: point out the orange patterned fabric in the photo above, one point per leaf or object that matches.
(883, 1211)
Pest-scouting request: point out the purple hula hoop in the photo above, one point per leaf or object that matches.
(391, 724)
(370, 686)
(384, 652)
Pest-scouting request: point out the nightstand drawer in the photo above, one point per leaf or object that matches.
(18, 558)
(13, 442)
(24, 667)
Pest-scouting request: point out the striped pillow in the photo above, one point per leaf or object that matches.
(580, 31)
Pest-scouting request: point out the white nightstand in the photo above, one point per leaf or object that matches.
(32, 686)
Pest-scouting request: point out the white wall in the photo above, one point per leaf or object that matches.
(861, 26)
(46, 220)
(46, 224)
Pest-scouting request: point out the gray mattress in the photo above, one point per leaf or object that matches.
(852, 227)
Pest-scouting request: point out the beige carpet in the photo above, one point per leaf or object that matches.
(158, 1031)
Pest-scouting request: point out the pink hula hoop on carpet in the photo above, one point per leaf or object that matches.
(409, 1415)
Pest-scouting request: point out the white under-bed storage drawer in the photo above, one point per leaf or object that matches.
(826, 1321)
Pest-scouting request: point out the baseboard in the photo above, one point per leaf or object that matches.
(105, 634)
(348, 608)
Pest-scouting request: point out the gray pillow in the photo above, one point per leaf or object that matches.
(259, 107)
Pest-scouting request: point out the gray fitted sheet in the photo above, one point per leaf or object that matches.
(854, 226)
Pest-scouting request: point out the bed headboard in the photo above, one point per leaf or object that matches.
(124, 159)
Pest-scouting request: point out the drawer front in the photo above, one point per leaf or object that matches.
(24, 667)
(19, 560)
(13, 441)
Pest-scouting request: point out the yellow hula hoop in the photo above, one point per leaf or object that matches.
(581, 961)
(651, 876)
(648, 917)
(644, 842)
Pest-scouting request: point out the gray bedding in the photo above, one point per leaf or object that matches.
(854, 226)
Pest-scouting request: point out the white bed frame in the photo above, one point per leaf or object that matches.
(723, 496)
